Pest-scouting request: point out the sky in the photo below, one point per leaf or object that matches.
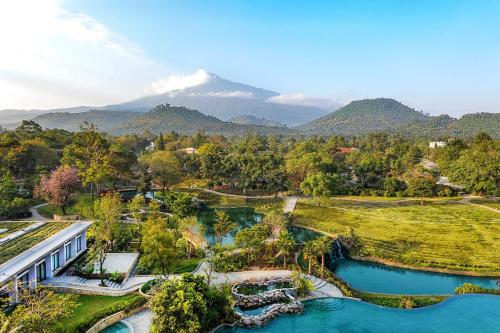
(434, 55)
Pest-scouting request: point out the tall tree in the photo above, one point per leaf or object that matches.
(285, 244)
(105, 228)
(323, 246)
(276, 221)
(158, 248)
(88, 153)
(421, 185)
(164, 167)
(223, 225)
(310, 253)
(58, 187)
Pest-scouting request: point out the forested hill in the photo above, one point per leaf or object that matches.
(104, 120)
(444, 126)
(364, 116)
(165, 118)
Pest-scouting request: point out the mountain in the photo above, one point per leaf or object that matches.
(215, 96)
(225, 99)
(163, 118)
(251, 120)
(104, 120)
(364, 116)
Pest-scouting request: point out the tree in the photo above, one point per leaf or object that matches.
(158, 247)
(144, 182)
(41, 310)
(164, 167)
(189, 305)
(223, 225)
(276, 221)
(89, 154)
(323, 185)
(285, 244)
(253, 239)
(135, 207)
(105, 228)
(160, 144)
(323, 246)
(58, 187)
(421, 185)
(310, 253)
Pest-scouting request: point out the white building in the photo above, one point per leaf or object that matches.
(437, 144)
(46, 259)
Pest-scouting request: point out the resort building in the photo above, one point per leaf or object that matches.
(47, 258)
(437, 144)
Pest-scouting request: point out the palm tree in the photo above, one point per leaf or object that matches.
(223, 226)
(323, 246)
(285, 245)
(309, 252)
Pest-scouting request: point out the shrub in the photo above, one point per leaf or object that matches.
(469, 288)
(407, 303)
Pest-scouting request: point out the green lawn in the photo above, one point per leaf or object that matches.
(16, 246)
(186, 265)
(48, 211)
(438, 235)
(394, 301)
(12, 227)
(487, 202)
(91, 309)
(379, 198)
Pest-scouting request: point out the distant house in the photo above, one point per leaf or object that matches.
(190, 150)
(437, 144)
(151, 147)
(346, 150)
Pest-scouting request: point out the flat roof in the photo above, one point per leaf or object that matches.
(28, 257)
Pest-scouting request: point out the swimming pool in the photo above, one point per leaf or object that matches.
(460, 314)
(118, 327)
(378, 278)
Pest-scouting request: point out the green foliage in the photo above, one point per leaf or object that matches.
(302, 285)
(223, 225)
(469, 288)
(396, 301)
(323, 185)
(189, 305)
(407, 303)
(252, 239)
(284, 245)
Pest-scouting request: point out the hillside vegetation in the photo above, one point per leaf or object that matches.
(364, 116)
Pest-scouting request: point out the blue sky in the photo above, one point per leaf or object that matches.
(438, 56)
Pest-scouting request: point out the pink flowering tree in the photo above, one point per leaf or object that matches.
(58, 186)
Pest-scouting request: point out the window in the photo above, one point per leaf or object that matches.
(23, 280)
(67, 251)
(55, 260)
(41, 273)
(78, 243)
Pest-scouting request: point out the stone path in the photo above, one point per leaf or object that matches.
(141, 321)
(291, 202)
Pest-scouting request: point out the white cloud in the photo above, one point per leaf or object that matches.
(301, 99)
(236, 93)
(179, 82)
(52, 57)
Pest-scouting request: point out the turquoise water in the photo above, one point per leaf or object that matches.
(117, 328)
(302, 235)
(244, 217)
(253, 311)
(460, 314)
(377, 278)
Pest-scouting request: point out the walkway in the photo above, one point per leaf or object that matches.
(141, 321)
(238, 195)
(291, 202)
(467, 200)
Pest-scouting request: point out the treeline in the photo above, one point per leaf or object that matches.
(375, 164)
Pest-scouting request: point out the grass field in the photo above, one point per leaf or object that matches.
(16, 246)
(439, 235)
(12, 227)
(48, 211)
(91, 309)
(487, 202)
(379, 198)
